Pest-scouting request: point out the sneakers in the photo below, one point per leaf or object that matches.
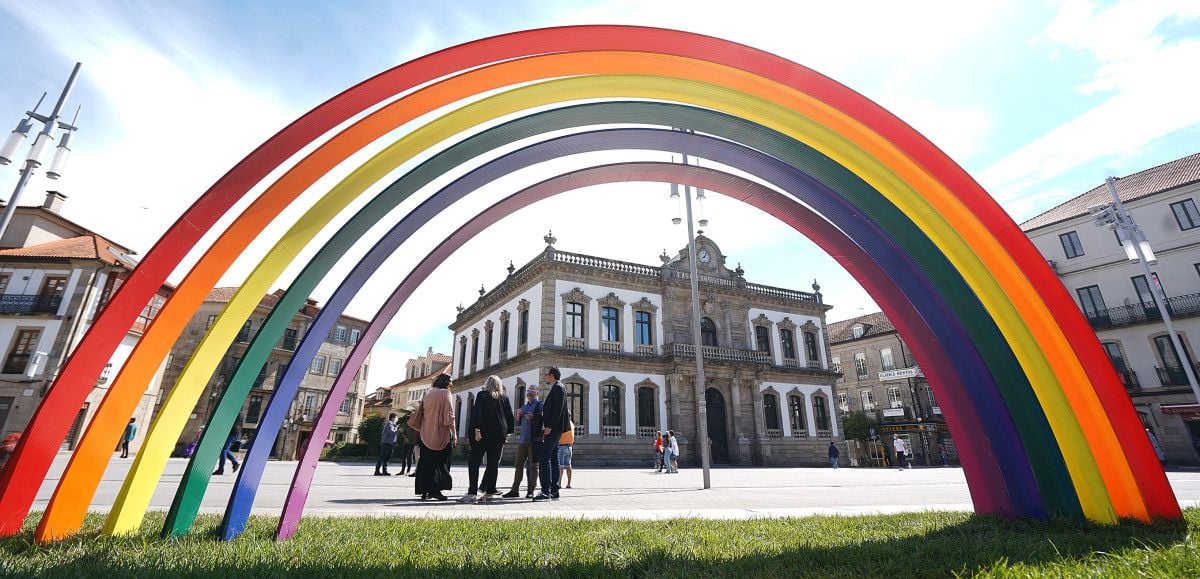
(235, 467)
(218, 472)
(542, 497)
(513, 494)
(468, 498)
(529, 495)
(489, 496)
(554, 497)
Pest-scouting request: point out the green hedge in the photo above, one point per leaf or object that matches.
(348, 450)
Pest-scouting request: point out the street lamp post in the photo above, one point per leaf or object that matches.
(49, 124)
(701, 402)
(1137, 247)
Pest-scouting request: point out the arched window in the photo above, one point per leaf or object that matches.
(574, 320)
(796, 414)
(810, 347)
(708, 332)
(771, 410)
(789, 344)
(523, 329)
(645, 407)
(610, 327)
(576, 398)
(762, 337)
(641, 324)
(820, 412)
(610, 405)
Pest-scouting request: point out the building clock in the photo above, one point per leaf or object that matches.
(705, 256)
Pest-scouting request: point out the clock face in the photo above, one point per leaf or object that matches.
(704, 256)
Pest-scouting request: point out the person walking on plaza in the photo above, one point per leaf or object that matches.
(489, 426)
(407, 438)
(233, 443)
(901, 453)
(130, 432)
(658, 451)
(554, 420)
(529, 416)
(387, 441)
(434, 419)
(566, 445)
(834, 455)
(670, 451)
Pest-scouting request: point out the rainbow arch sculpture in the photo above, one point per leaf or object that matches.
(1049, 379)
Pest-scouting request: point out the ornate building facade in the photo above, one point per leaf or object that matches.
(621, 334)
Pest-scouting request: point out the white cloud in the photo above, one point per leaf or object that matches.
(1150, 81)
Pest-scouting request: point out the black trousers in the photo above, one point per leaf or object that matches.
(385, 454)
(492, 449)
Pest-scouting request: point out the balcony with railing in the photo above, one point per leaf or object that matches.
(1143, 312)
(715, 353)
(574, 343)
(1173, 376)
(610, 347)
(1129, 379)
(825, 434)
(774, 433)
(611, 431)
(799, 432)
(30, 304)
(644, 349)
(646, 432)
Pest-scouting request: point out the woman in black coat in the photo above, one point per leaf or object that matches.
(490, 424)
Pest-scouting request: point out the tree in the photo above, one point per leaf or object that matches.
(857, 426)
(369, 431)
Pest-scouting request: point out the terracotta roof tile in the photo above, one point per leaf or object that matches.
(81, 247)
(1170, 175)
(877, 322)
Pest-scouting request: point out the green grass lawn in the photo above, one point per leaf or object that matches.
(910, 545)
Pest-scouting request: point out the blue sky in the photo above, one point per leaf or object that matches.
(1039, 101)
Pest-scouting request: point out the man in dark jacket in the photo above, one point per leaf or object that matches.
(554, 412)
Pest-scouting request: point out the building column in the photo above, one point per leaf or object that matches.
(760, 432)
(808, 411)
(630, 402)
(593, 408)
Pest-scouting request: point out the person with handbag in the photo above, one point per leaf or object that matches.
(490, 424)
(434, 419)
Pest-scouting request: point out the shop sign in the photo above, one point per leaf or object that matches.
(914, 372)
(892, 412)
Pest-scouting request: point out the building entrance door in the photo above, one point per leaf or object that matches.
(716, 426)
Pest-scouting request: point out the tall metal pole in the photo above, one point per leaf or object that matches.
(1125, 220)
(701, 403)
(45, 136)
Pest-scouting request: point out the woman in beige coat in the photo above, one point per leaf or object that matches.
(438, 436)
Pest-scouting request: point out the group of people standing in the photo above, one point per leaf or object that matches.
(666, 448)
(545, 437)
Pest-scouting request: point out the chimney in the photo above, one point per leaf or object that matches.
(54, 201)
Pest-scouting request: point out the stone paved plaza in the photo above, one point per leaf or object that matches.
(351, 489)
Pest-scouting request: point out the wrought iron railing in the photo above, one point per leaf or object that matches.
(1130, 380)
(1172, 376)
(1142, 312)
(30, 304)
